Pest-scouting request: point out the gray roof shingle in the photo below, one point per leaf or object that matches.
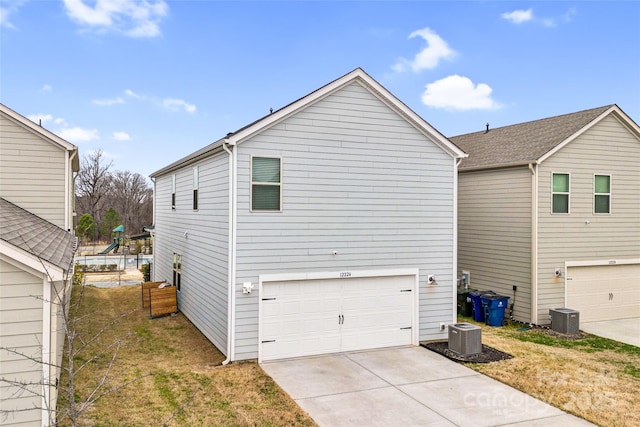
(35, 235)
(521, 143)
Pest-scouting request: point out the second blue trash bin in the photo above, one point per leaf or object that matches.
(494, 306)
(476, 304)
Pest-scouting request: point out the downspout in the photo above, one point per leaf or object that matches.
(455, 237)
(153, 237)
(533, 167)
(46, 350)
(231, 262)
(68, 220)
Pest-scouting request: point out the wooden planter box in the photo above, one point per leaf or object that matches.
(159, 301)
(145, 291)
(162, 301)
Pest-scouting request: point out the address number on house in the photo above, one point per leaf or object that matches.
(344, 274)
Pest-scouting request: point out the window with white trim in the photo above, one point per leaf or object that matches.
(560, 193)
(195, 188)
(602, 194)
(177, 270)
(173, 191)
(266, 184)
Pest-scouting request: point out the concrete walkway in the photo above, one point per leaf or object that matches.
(622, 330)
(407, 386)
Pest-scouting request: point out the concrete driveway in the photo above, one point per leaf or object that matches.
(623, 330)
(406, 386)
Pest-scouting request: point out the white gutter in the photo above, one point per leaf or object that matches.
(68, 212)
(152, 277)
(455, 238)
(533, 167)
(231, 315)
(46, 350)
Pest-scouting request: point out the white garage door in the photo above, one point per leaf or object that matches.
(604, 292)
(307, 317)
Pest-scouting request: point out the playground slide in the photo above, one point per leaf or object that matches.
(111, 247)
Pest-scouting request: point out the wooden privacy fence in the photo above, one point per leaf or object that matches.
(160, 301)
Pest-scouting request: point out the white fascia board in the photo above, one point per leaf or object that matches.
(617, 113)
(52, 137)
(52, 272)
(374, 87)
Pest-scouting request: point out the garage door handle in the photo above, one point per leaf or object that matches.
(405, 290)
(268, 299)
(340, 319)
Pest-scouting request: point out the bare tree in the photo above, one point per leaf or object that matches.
(93, 184)
(130, 195)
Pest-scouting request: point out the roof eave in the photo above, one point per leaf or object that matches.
(498, 166)
(52, 137)
(53, 272)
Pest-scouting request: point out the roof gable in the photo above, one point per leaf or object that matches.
(531, 142)
(358, 75)
(35, 236)
(43, 133)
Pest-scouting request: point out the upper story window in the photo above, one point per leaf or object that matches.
(560, 193)
(173, 191)
(266, 184)
(195, 187)
(602, 194)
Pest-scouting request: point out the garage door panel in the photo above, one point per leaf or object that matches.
(301, 318)
(604, 292)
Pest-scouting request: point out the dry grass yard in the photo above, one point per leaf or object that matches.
(175, 373)
(594, 378)
(175, 377)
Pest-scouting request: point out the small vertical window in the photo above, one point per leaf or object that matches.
(173, 191)
(560, 193)
(602, 194)
(266, 188)
(195, 188)
(177, 270)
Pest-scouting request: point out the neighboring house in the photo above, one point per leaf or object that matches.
(552, 207)
(328, 225)
(36, 264)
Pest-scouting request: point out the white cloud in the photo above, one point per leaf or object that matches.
(430, 56)
(518, 16)
(522, 16)
(131, 93)
(108, 102)
(132, 18)
(178, 104)
(77, 134)
(459, 93)
(121, 136)
(569, 14)
(46, 88)
(9, 8)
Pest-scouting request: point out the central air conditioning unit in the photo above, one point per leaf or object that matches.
(565, 320)
(465, 339)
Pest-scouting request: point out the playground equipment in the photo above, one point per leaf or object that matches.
(118, 239)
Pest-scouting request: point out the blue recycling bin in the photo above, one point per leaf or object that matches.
(494, 306)
(477, 312)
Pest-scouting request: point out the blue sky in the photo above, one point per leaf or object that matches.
(151, 81)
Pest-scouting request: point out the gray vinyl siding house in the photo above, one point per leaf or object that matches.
(367, 200)
(579, 254)
(36, 253)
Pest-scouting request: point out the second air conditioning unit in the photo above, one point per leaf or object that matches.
(565, 320)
